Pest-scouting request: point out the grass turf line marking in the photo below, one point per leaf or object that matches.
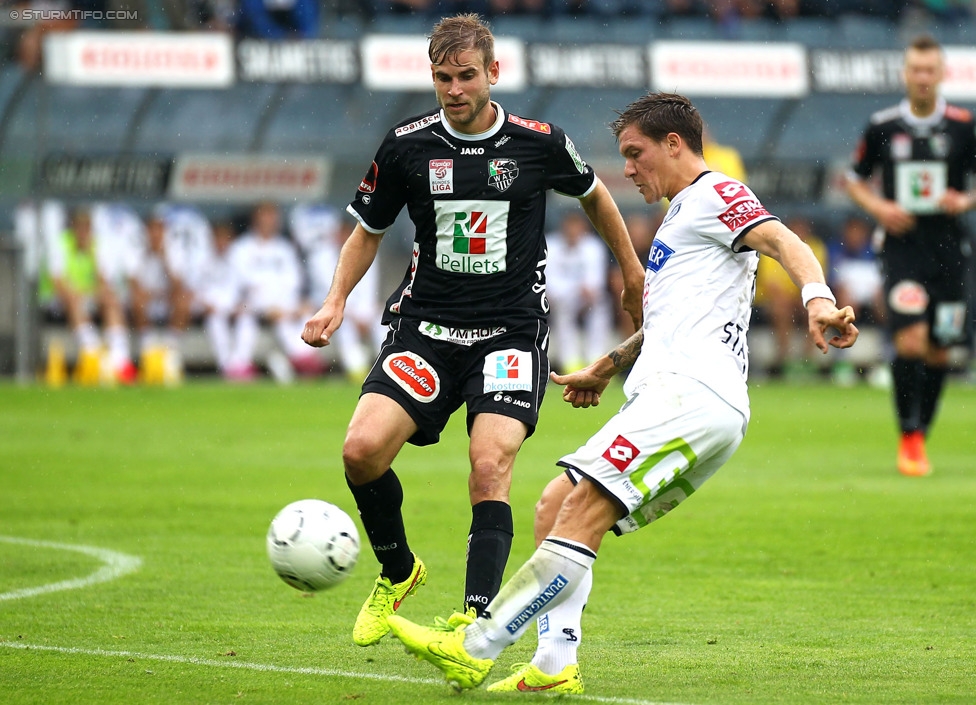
(116, 565)
(270, 668)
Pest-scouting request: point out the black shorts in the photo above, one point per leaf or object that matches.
(430, 370)
(925, 280)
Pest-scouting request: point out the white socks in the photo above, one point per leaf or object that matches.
(548, 578)
(560, 630)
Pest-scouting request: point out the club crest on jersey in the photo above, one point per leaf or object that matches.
(508, 370)
(621, 453)
(658, 256)
(441, 176)
(368, 184)
(502, 172)
(413, 374)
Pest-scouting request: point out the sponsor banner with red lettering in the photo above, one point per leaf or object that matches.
(171, 59)
(960, 74)
(399, 62)
(246, 178)
(743, 69)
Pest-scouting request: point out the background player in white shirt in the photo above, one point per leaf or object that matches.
(320, 231)
(687, 407)
(267, 266)
(581, 313)
(120, 237)
(220, 297)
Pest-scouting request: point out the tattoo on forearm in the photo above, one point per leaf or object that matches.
(625, 354)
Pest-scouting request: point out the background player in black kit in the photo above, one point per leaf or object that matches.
(468, 321)
(925, 149)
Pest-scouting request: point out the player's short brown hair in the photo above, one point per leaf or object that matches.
(453, 35)
(657, 114)
(925, 42)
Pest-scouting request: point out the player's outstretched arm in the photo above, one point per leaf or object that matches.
(602, 211)
(355, 258)
(583, 388)
(775, 240)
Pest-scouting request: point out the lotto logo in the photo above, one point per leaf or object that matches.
(467, 226)
(620, 453)
(730, 191)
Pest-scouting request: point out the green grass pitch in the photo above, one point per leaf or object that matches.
(806, 571)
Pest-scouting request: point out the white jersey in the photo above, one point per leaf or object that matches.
(570, 267)
(120, 239)
(268, 271)
(189, 244)
(315, 229)
(38, 229)
(699, 287)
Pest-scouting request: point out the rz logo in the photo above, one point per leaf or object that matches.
(620, 453)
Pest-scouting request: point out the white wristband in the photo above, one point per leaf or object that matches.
(816, 290)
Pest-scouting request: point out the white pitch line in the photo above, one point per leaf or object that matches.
(116, 565)
(270, 668)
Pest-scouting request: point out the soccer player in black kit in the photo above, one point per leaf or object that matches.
(925, 149)
(467, 325)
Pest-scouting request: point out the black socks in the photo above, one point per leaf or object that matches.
(379, 505)
(489, 543)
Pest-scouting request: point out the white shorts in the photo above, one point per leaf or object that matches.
(669, 437)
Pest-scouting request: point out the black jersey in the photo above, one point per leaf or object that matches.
(478, 203)
(919, 159)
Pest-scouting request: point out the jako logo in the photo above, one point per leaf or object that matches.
(472, 150)
(413, 374)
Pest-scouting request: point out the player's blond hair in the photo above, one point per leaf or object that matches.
(454, 35)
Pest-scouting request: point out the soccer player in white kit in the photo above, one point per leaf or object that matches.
(687, 404)
(268, 270)
(579, 293)
(320, 231)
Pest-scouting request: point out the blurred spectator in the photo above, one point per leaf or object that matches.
(120, 236)
(855, 273)
(361, 336)
(270, 274)
(36, 227)
(278, 19)
(320, 231)
(160, 296)
(220, 297)
(185, 15)
(642, 226)
(581, 314)
(72, 265)
(779, 300)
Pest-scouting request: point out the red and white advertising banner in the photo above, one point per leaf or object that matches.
(740, 69)
(236, 178)
(960, 75)
(399, 62)
(171, 59)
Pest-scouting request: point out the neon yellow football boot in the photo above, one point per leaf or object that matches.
(383, 601)
(444, 648)
(527, 678)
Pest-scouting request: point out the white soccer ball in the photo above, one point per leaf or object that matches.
(312, 545)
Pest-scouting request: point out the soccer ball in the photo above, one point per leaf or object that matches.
(312, 545)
